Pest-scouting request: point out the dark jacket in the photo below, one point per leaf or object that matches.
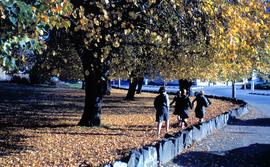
(182, 106)
(176, 100)
(202, 102)
(161, 103)
(185, 103)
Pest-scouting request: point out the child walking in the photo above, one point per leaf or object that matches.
(176, 100)
(202, 102)
(182, 106)
(161, 105)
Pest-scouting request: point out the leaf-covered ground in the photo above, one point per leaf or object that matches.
(38, 126)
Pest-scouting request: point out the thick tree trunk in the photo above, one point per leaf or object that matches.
(93, 88)
(93, 102)
(140, 84)
(132, 88)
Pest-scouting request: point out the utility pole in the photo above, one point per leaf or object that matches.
(233, 90)
(119, 82)
(253, 81)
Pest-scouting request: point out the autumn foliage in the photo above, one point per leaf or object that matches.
(178, 35)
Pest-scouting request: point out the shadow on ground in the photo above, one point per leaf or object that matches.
(251, 122)
(36, 108)
(252, 155)
(11, 143)
(32, 107)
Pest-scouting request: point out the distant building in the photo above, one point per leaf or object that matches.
(199, 82)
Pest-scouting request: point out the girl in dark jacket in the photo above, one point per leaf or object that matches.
(161, 104)
(202, 102)
(182, 106)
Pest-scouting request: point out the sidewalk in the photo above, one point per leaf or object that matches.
(261, 92)
(244, 142)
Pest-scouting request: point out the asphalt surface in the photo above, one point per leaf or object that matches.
(244, 142)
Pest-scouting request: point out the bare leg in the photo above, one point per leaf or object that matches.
(167, 125)
(200, 120)
(159, 125)
(179, 120)
(185, 122)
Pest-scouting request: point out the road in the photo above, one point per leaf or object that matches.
(260, 102)
(244, 142)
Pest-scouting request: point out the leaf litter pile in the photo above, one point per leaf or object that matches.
(38, 126)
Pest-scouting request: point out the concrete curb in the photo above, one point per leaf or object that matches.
(262, 94)
(166, 149)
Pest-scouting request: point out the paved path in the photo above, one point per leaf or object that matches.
(244, 142)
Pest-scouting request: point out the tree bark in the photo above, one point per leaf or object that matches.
(93, 102)
(93, 88)
(132, 88)
(140, 84)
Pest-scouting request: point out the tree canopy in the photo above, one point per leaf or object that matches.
(240, 38)
(181, 35)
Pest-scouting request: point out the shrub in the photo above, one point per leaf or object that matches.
(265, 86)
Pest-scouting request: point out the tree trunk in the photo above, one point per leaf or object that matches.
(185, 84)
(181, 84)
(93, 89)
(233, 90)
(189, 84)
(132, 88)
(83, 84)
(107, 87)
(140, 84)
(93, 101)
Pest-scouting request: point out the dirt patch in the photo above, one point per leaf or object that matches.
(38, 126)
